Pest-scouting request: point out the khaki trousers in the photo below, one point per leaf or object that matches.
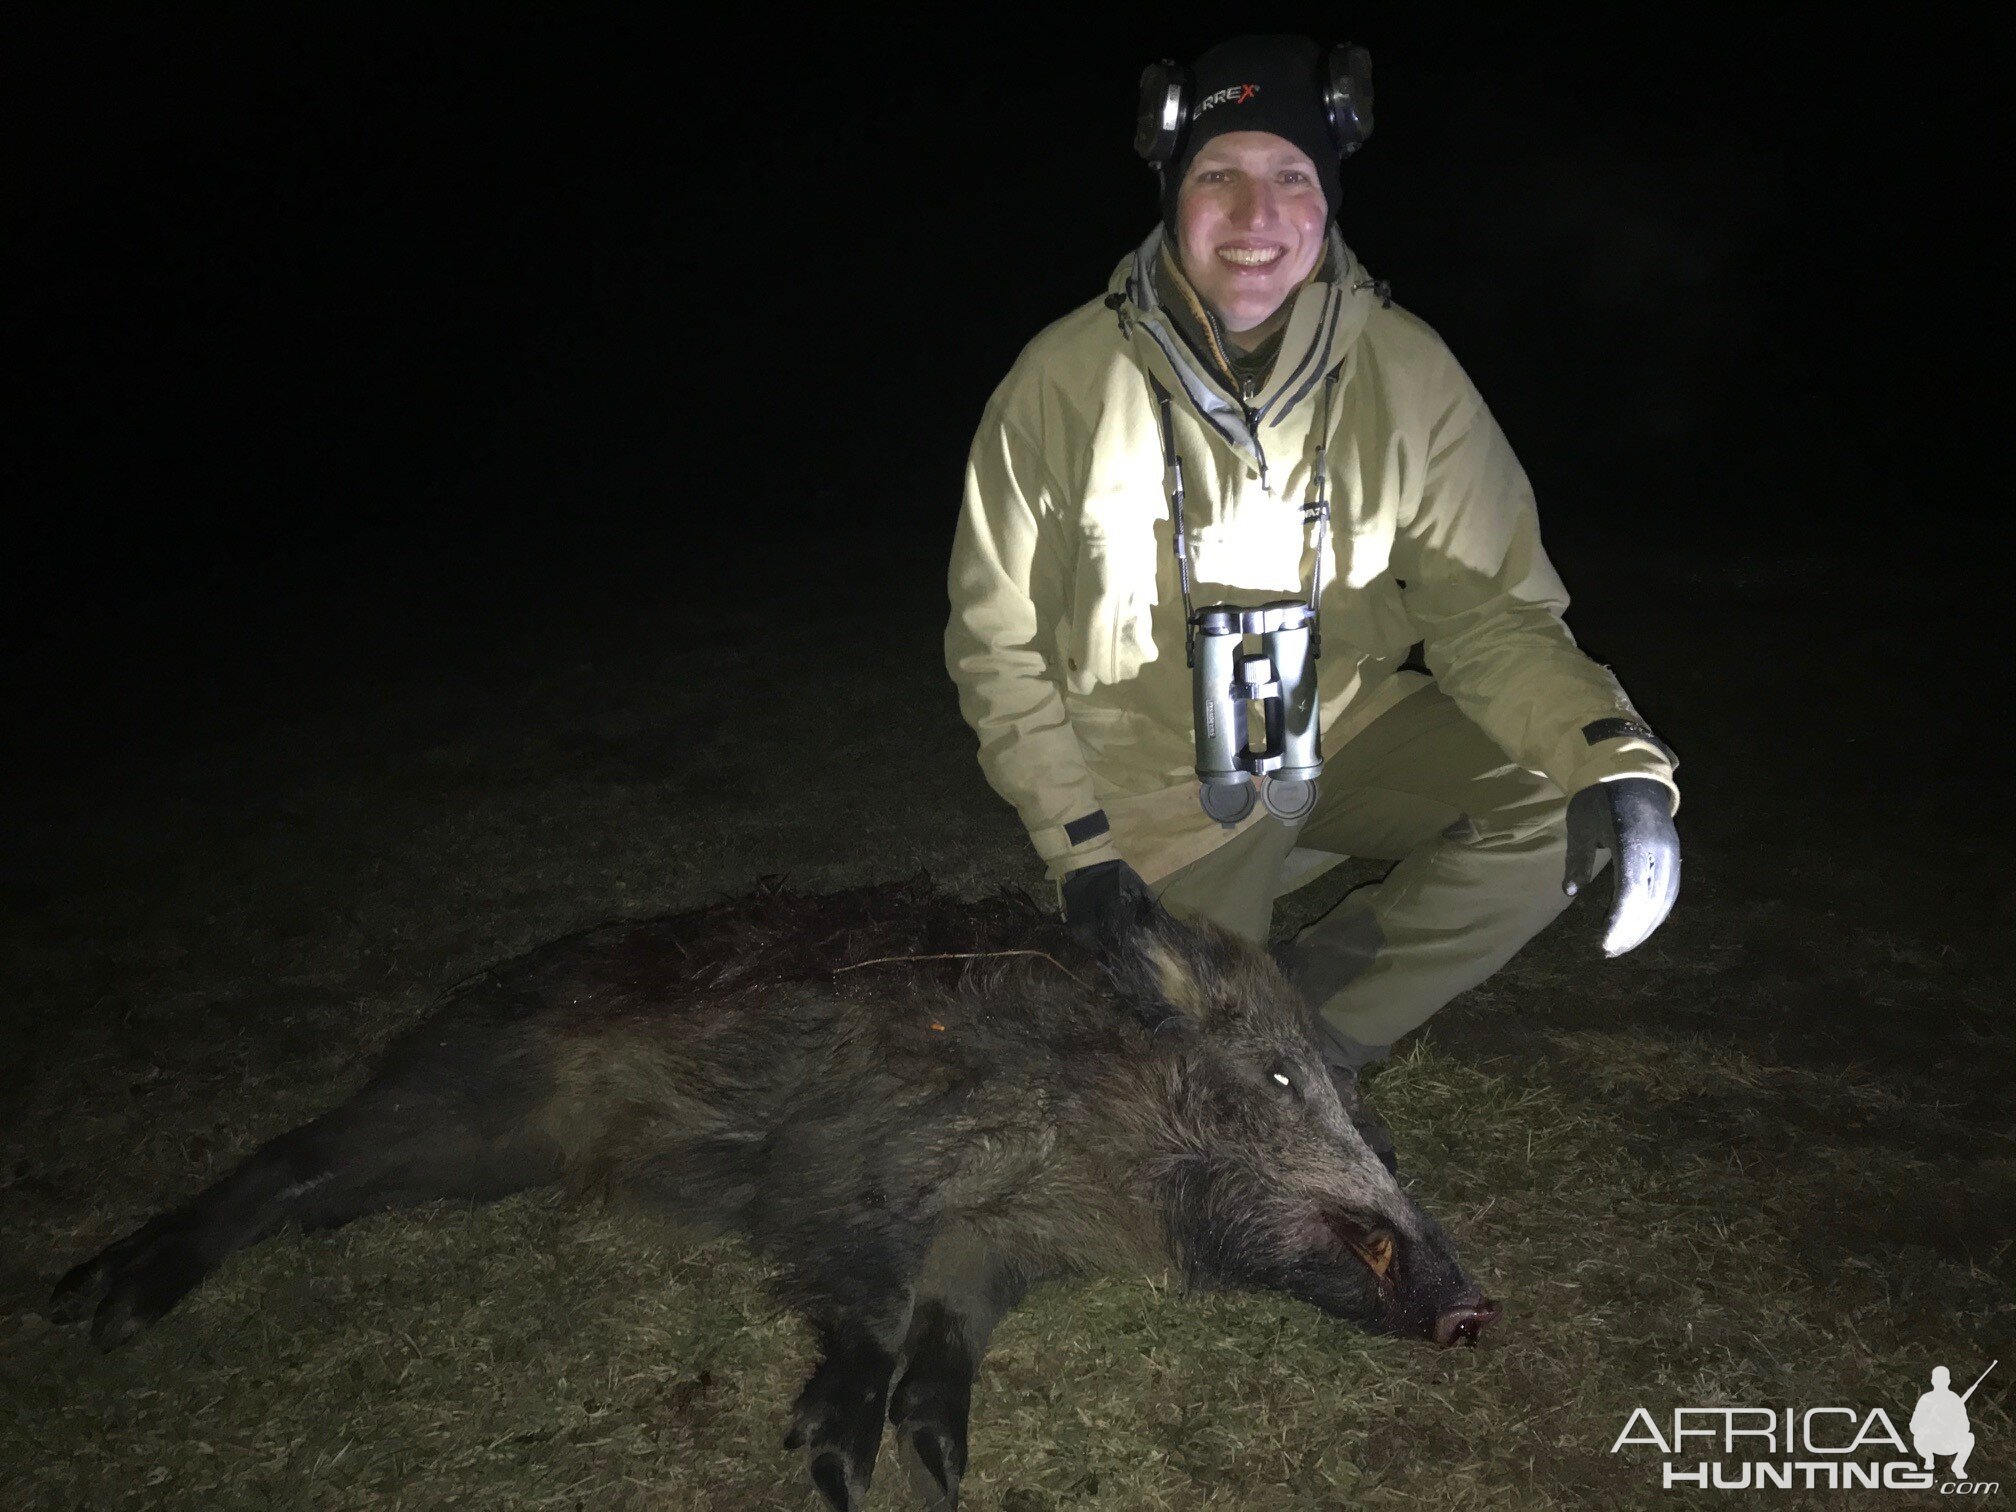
(1481, 845)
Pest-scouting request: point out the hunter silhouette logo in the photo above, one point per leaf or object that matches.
(1939, 1422)
(1231, 94)
(1813, 1448)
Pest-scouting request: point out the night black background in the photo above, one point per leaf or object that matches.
(404, 408)
(359, 337)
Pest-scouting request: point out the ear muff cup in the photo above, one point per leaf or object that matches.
(1167, 100)
(1347, 97)
(1162, 114)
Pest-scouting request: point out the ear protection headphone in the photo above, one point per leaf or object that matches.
(1169, 103)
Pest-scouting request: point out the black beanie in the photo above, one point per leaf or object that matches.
(1257, 83)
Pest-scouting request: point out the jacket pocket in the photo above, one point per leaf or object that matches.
(1372, 619)
(1112, 592)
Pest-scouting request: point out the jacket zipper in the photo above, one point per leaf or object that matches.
(1243, 388)
(1253, 427)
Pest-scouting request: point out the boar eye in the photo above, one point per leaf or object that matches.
(1286, 1080)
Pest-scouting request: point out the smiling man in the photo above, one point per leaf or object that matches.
(1244, 378)
(1250, 230)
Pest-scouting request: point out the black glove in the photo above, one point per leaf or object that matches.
(1632, 819)
(1097, 896)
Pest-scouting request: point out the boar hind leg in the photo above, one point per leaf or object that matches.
(856, 1284)
(389, 1146)
(967, 1289)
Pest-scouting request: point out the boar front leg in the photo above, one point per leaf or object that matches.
(966, 1290)
(856, 1283)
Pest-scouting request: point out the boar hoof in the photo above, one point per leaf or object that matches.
(838, 1423)
(933, 1458)
(829, 1474)
(130, 1285)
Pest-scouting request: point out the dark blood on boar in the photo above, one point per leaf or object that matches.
(915, 1107)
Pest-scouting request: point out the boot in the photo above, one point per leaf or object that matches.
(1347, 1060)
(1370, 1126)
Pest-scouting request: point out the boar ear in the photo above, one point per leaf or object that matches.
(1163, 979)
(1173, 972)
(1140, 946)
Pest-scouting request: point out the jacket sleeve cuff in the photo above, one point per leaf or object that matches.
(1636, 753)
(1082, 842)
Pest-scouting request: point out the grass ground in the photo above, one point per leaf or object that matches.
(1765, 1160)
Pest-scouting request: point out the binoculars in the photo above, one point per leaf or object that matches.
(1227, 680)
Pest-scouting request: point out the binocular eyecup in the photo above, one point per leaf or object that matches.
(1227, 681)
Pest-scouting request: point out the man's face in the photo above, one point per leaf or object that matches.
(1250, 221)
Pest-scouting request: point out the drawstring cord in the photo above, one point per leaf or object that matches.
(1315, 511)
(1172, 485)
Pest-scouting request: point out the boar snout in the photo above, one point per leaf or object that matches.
(1465, 1321)
(1419, 1283)
(1440, 1303)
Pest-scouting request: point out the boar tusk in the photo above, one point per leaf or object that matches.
(1378, 1255)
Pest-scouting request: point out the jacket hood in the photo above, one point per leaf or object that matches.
(1325, 318)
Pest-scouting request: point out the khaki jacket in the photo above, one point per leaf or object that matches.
(1066, 632)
